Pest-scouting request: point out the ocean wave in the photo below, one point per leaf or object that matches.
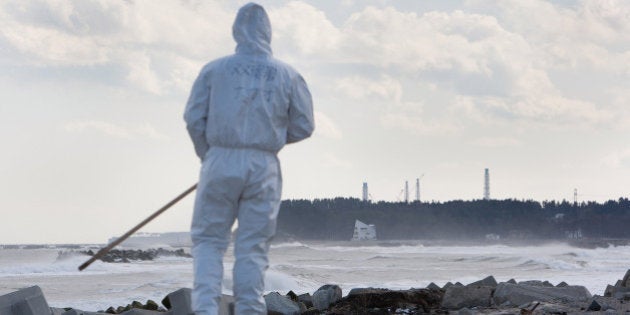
(401, 249)
(65, 265)
(379, 257)
(289, 245)
(554, 264)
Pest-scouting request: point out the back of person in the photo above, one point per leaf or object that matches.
(241, 111)
(249, 102)
(255, 101)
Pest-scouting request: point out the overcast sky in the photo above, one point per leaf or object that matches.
(92, 95)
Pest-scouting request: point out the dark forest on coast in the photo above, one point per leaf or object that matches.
(333, 219)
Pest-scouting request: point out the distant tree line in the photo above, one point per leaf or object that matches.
(333, 219)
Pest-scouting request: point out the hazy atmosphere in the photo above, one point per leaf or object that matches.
(92, 95)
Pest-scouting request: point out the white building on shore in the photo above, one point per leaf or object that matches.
(364, 232)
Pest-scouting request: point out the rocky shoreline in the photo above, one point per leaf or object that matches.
(485, 296)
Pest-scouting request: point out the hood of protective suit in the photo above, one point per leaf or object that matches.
(252, 30)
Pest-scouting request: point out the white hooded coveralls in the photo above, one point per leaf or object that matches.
(242, 110)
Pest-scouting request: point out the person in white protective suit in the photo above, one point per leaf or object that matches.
(242, 110)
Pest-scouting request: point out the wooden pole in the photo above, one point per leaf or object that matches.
(119, 240)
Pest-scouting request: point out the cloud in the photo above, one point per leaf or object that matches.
(506, 69)
(527, 62)
(303, 28)
(137, 131)
(326, 127)
(144, 38)
(419, 125)
(362, 88)
(616, 160)
(496, 142)
(332, 161)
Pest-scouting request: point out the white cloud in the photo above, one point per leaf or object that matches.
(325, 126)
(361, 88)
(420, 125)
(141, 73)
(332, 161)
(147, 38)
(496, 142)
(618, 159)
(501, 66)
(503, 63)
(302, 27)
(144, 130)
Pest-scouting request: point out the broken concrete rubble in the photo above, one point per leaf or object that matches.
(280, 304)
(27, 301)
(326, 295)
(517, 294)
(479, 297)
(457, 297)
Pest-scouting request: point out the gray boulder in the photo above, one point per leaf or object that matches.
(326, 295)
(517, 294)
(57, 311)
(536, 283)
(622, 294)
(360, 291)
(179, 302)
(80, 312)
(307, 299)
(433, 286)
(487, 281)
(607, 303)
(457, 297)
(27, 301)
(138, 311)
(281, 304)
(465, 311)
(617, 292)
(625, 282)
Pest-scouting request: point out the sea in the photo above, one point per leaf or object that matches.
(302, 267)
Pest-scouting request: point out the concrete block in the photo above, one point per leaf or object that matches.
(27, 301)
(457, 297)
(517, 294)
(281, 304)
(535, 283)
(433, 286)
(138, 311)
(80, 312)
(57, 311)
(307, 299)
(359, 291)
(179, 302)
(620, 293)
(326, 295)
(487, 282)
(625, 282)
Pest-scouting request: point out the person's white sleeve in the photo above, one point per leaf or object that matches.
(196, 114)
(301, 123)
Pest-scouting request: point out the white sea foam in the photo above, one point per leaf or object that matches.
(303, 267)
(290, 244)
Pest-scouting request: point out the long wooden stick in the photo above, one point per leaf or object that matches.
(119, 240)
